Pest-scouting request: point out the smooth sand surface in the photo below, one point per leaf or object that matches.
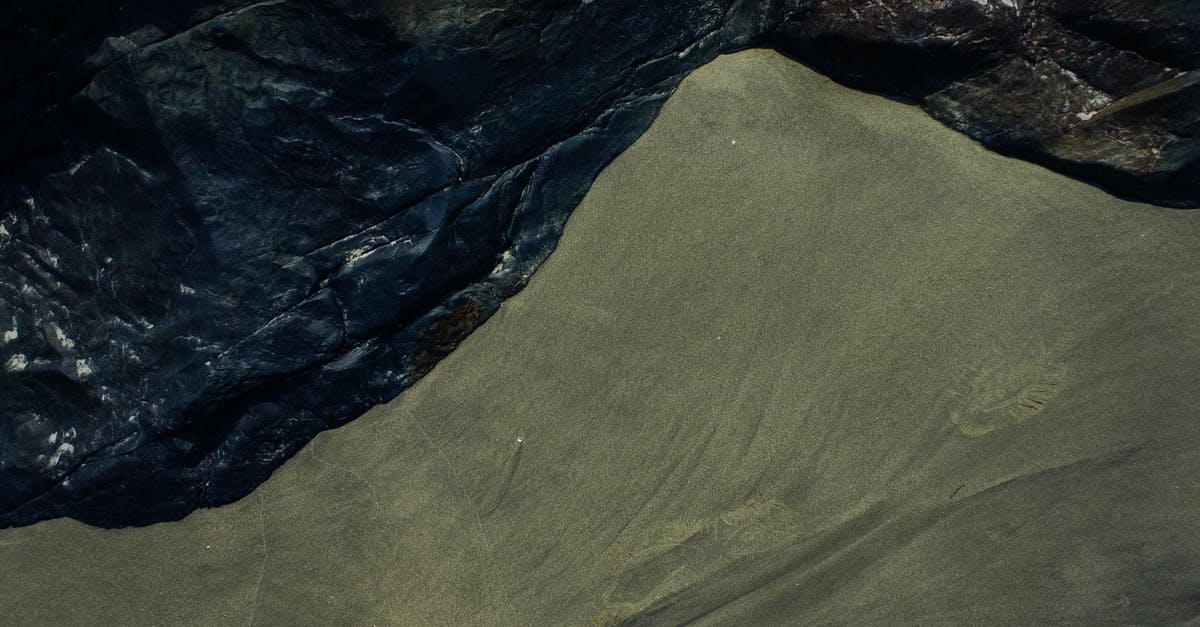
(803, 356)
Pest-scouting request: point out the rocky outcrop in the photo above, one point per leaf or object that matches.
(228, 226)
(1107, 91)
(235, 235)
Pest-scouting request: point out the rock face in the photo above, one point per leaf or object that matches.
(228, 226)
(1104, 90)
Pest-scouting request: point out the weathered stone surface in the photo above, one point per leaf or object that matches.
(228, 226)
(1102, 90)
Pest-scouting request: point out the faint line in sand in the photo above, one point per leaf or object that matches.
(262, 564)
(458, 484)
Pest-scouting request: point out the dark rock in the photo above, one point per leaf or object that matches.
(228, 226)
(1039, 80)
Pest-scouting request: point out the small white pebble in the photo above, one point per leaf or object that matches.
(733, 142)
(520, 439)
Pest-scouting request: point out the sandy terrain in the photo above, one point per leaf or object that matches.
(802, 356)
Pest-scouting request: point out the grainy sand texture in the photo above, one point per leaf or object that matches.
(803, 356)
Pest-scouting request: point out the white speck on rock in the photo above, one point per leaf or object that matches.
(62, 338)
(505, 260)
(1085, 116)
(82, 368)
(356, 254)
(16, 363)
(63, 449)
(183, 289)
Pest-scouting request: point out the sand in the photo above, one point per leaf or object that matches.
(802, 356)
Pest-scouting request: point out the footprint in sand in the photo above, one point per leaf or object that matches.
(1008, 392)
